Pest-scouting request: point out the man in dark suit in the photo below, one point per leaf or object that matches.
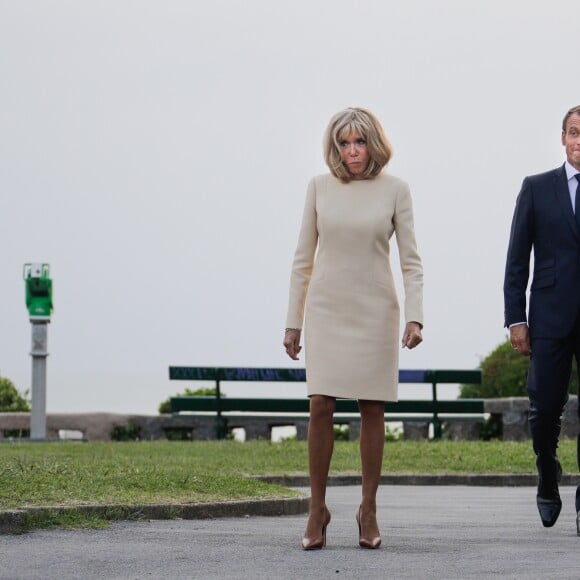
(547, 219)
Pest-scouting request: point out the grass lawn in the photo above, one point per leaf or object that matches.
(50, 474)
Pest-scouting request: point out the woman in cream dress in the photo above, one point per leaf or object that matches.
(342, 288)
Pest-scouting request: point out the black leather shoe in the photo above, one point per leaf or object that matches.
(549, 509)
(578, 523)
(548, 497)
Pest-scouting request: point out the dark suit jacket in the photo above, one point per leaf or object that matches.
(544, 219)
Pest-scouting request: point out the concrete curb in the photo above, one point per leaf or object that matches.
(488, 479)
(14, 521)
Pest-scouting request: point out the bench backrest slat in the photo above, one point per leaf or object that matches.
(302, 405)
(299, 375)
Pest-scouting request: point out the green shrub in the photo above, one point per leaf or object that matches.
(341, 432)
(492, 429)
(393, 433)
(10, 399)
(165, 406)
(289, 438)
(504, 374)
(16, 433)
(179, 434)
(129, 432)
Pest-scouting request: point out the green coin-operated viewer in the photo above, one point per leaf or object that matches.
(39, 304)
(38, 291)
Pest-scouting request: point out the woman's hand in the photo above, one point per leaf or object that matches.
(292, 343)
(412, 335)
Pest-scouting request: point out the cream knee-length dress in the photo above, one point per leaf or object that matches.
(342, 285)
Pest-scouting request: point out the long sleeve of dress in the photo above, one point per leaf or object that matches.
(411, 265)
(303, 261)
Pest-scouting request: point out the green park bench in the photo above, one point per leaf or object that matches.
(227, 409)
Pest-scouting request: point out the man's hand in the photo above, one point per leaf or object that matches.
(292, 343)
(520, 339)
(412, 335)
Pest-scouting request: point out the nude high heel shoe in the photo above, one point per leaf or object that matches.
(319, 542)
(370, 543)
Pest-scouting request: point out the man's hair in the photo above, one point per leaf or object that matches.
(571, 112)
(362, 121)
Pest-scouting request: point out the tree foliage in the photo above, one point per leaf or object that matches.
(165, 406)
(504, 374)
(10, 399)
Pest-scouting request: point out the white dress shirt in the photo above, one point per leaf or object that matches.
(571, 173)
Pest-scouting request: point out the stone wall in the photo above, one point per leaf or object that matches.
(513, 413)
(93, 426)
(99, 426)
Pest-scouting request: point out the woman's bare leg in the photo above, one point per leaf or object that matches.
(320, 447)
(372, 443)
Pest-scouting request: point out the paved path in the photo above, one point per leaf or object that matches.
(449, 532)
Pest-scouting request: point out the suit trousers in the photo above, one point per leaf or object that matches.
(547, 387)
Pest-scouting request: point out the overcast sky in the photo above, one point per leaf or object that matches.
(156, 155)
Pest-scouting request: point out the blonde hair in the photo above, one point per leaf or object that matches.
(362, 121)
